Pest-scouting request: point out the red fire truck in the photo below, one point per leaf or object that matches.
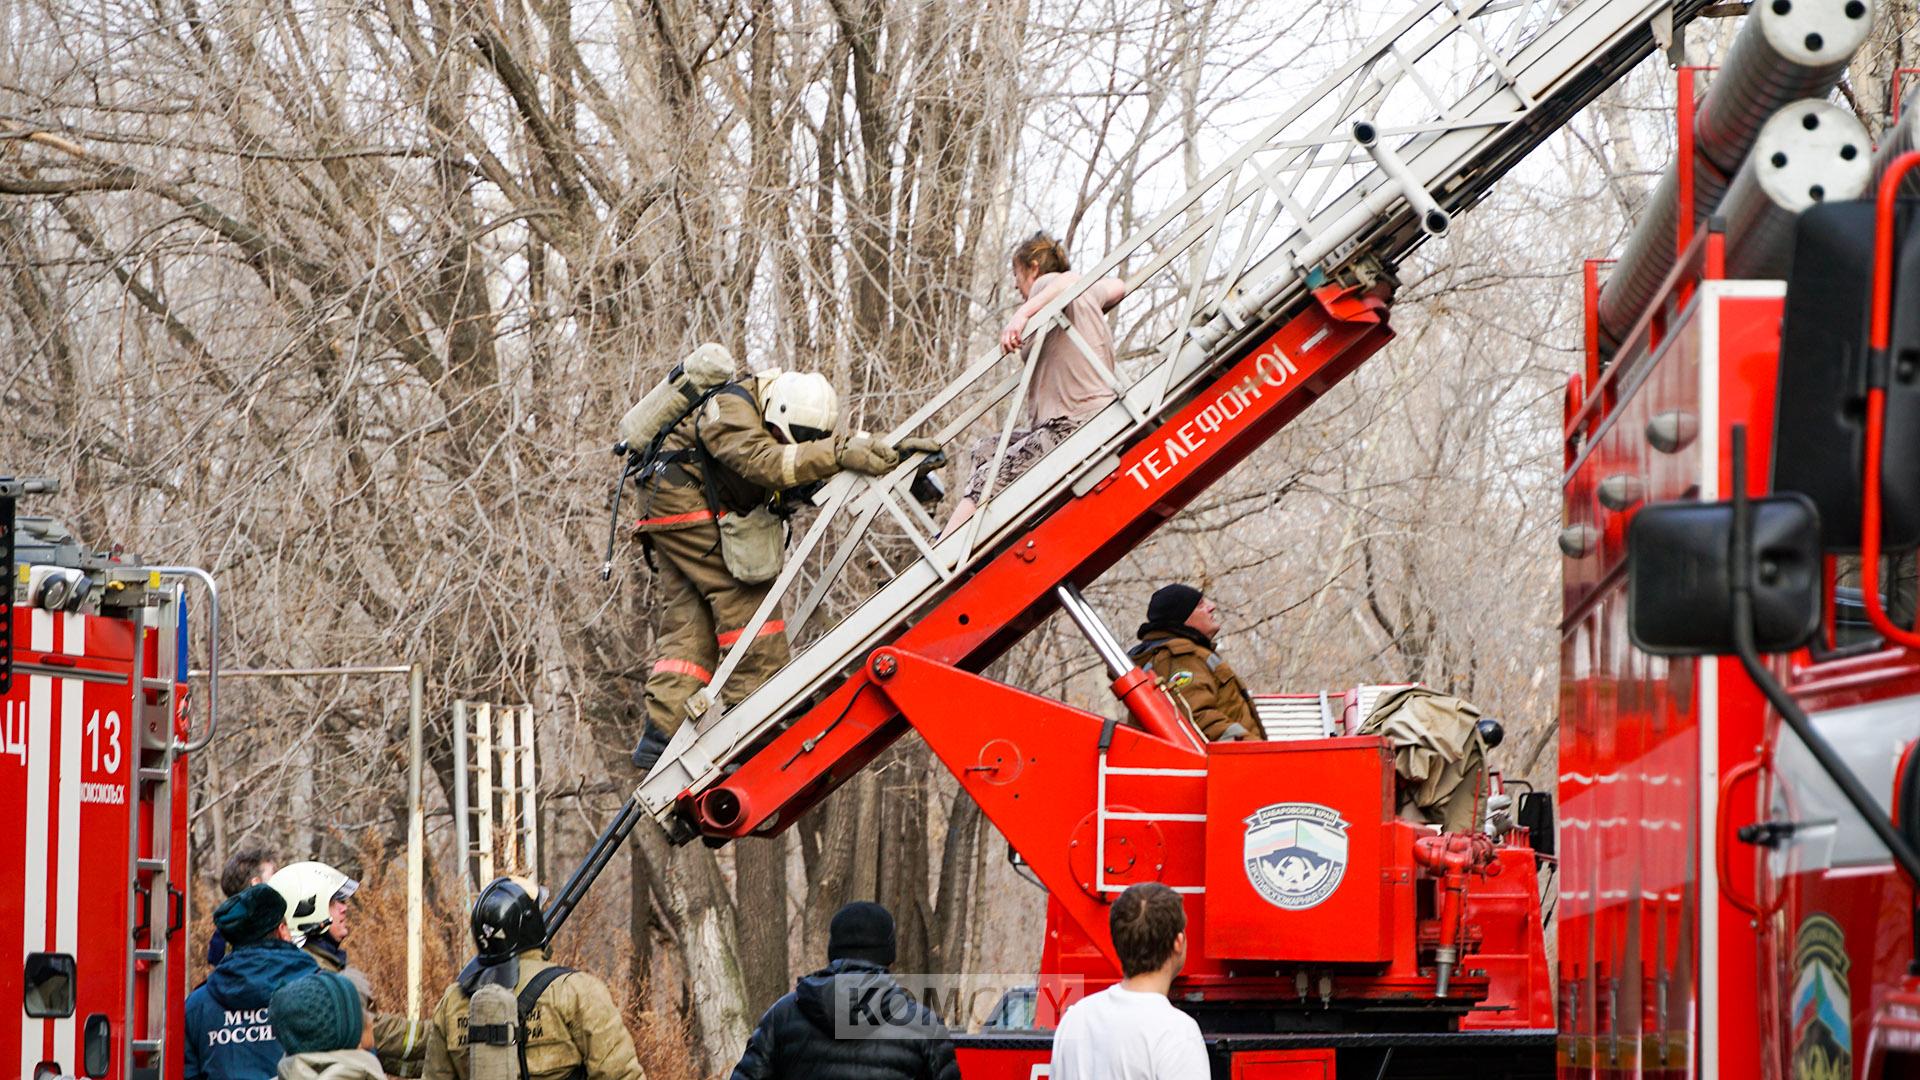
(93, 788)
(1736, 898)
(1737, 892)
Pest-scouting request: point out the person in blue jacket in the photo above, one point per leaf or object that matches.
(229, 1036)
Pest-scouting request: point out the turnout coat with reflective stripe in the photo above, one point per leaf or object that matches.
(733, 431)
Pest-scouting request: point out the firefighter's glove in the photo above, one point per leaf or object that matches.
(867, 455)
(918, 446)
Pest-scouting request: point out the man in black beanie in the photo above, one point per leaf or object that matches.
(850, 1020)
(1176, 646)
(229, 1034)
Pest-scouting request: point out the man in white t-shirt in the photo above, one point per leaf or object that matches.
(1131, 1031)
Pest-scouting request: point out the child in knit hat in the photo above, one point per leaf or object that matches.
(320, 1025)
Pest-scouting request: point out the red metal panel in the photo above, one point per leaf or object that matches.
(21, 730)
(1293, 798)
(1849, 915)
(1639, 887)
(177, 943)
(1743, 338)
(996, 1063)
(1504, 910)
(66, 795)
(1282, 1065)
(1031, 763)
(110, 751)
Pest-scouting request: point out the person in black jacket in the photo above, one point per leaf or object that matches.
(850, 1020)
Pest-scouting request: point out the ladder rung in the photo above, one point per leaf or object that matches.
(155, 865)
(146, 1046)
(151, 956)
(155, 776)
(156, 684)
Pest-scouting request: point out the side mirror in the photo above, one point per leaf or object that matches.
(1680, 576)
(1820, 418)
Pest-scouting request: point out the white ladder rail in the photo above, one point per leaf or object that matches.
(1450, 147)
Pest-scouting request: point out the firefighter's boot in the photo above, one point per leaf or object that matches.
(646, 753)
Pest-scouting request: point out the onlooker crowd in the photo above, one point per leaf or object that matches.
(277, 1006)
(282, 1001)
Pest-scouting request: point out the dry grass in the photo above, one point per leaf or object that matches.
(597, 939)
(206, 897)
(378, 942)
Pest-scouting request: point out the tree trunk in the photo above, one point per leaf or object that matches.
(701, 918)
(760, 888)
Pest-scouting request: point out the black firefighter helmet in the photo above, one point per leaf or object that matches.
(505, 922)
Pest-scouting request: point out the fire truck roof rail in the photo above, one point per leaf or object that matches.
(206, 581)
(1343, 183)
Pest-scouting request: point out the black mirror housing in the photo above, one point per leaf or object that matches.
(1820, 418)
(1680, 576)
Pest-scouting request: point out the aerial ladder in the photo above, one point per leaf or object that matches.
(1268, 283)
(1273, 276)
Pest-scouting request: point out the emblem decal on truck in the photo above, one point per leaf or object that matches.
(1296, 853)
(1822, 1003)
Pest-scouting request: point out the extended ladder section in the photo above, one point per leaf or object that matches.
(1249, 296)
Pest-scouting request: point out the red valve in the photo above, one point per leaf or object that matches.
(1453, 856)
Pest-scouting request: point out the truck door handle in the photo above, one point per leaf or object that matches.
(1774, 835)
(1739, 772)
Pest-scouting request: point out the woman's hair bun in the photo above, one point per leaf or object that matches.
(1042, 254)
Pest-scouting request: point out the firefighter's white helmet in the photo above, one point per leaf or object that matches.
(799, 405)
(310, 888)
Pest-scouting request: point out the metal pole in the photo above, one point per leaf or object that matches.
(295, 672)
(462, 842)
(483, 787)
(1088, 621)
(213, 649)
(529, 792)
(416, 836)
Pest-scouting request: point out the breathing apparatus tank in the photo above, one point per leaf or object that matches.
(706, 367)
(493, 1034)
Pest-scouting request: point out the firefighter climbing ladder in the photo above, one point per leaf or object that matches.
(1334, 191)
